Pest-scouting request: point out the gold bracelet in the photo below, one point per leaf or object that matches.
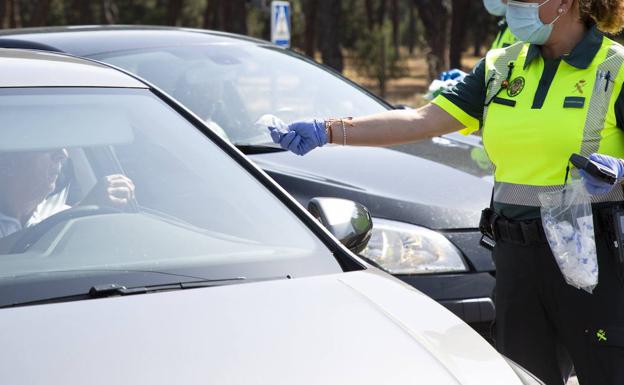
(328, 130)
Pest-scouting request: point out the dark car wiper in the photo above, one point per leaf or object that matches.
(251, 149)
(113, 290)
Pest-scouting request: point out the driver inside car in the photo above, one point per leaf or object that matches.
(29, 177)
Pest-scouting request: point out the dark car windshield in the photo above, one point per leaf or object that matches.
(69, 159)
(231, 86)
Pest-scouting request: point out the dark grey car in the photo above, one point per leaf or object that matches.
(425, 198)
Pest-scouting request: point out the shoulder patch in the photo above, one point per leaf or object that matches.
(515, 87)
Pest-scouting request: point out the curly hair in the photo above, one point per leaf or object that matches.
(608, 15)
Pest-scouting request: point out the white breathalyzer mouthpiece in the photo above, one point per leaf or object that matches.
(268, 120)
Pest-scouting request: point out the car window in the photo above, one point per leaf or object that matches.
(181, 202)
(230, 86)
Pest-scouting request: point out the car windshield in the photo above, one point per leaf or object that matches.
(231, 86)
(101, 180)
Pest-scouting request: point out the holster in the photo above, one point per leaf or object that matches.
(486, 227)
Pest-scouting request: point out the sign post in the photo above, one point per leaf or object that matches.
(280, 23)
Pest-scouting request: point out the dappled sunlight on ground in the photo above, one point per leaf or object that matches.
(408, 90)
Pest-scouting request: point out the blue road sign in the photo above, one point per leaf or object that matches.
(280, 23)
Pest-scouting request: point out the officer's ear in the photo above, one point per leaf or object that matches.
(567, 6)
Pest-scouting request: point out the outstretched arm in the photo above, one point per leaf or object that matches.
(394, 127)
(457, 108)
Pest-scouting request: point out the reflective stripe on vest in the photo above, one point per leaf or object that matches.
(592, 134)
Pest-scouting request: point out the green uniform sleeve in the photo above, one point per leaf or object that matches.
(465, 100)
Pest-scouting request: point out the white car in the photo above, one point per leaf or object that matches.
(201, 270)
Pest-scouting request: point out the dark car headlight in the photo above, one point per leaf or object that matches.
(403, 248)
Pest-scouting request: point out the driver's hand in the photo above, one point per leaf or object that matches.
(113, 190)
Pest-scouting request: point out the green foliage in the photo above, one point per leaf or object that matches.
(355, 23)
(192, 14)
(376, 57)
(258, 23)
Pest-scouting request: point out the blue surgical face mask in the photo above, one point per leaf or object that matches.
(524, 22)
(495, 7)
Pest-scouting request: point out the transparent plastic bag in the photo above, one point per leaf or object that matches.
(569, 227)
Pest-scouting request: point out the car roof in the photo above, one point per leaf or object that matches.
(94, 40)
(28, 68)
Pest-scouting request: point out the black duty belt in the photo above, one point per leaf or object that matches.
(499, 228)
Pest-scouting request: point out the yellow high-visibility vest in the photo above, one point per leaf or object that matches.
(529, 146)
(504, 38)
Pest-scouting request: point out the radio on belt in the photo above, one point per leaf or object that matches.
(593, 168)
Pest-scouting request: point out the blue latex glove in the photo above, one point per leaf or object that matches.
(596, 186)
(301, 137)
(452, 74)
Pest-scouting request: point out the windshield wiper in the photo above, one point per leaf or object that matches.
(113, 290)
(250, 149)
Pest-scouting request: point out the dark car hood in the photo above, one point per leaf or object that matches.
(409, 188)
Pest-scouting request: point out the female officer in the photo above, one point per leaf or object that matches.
(504, 37)
(537, 103)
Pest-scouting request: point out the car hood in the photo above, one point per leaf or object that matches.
(354, 328)
(411, 188)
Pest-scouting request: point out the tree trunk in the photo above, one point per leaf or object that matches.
(411, 28)
(211, 15)
(4, 13)
(41, 13)
(330, 15)
(234, 14)
(11, 14)
(458, 32)
(435, 16)
(370, 19)
(381, 12)
(108, 11)
(174, 9)
(396, 23)
(310, 9)
(80, 12)
(480, 34)
(381, 76)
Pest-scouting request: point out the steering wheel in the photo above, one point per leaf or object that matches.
(34, 233)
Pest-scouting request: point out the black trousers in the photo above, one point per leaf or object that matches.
(537, 312)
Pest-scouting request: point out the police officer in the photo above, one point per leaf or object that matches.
(537, 103)
(504, 37)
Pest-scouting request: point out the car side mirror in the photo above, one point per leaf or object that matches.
(348, 221)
